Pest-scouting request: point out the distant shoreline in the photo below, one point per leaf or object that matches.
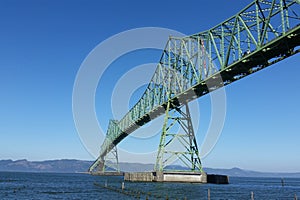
(81, 167)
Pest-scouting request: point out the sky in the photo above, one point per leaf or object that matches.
(43, 44)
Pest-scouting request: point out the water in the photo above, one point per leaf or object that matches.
(81, 186)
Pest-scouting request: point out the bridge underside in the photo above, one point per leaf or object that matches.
(276, 51)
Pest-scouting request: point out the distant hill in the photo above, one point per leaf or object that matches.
(62, 166)
(237, 172)
(75, 166)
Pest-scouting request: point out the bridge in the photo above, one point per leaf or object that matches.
(262, 34)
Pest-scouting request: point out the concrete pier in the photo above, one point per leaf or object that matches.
(185, 177)
(139, 176)
(188, 177)
(108, 173)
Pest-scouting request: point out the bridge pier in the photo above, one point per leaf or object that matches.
(178, 145)
(183, 177)
(187, 177)
(101, 173)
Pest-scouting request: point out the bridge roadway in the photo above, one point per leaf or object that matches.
(279, 48)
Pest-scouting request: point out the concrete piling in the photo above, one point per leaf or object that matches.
(282, 182)
(252, 196)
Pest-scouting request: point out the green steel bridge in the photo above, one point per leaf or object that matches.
(263, 33)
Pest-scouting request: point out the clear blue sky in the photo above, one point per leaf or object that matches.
(43, 43)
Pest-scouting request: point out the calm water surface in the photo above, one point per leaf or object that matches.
(81, 186)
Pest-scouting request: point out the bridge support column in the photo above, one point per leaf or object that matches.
(111, 161)
(178, 142)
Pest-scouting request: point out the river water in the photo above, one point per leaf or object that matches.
(83, 186)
